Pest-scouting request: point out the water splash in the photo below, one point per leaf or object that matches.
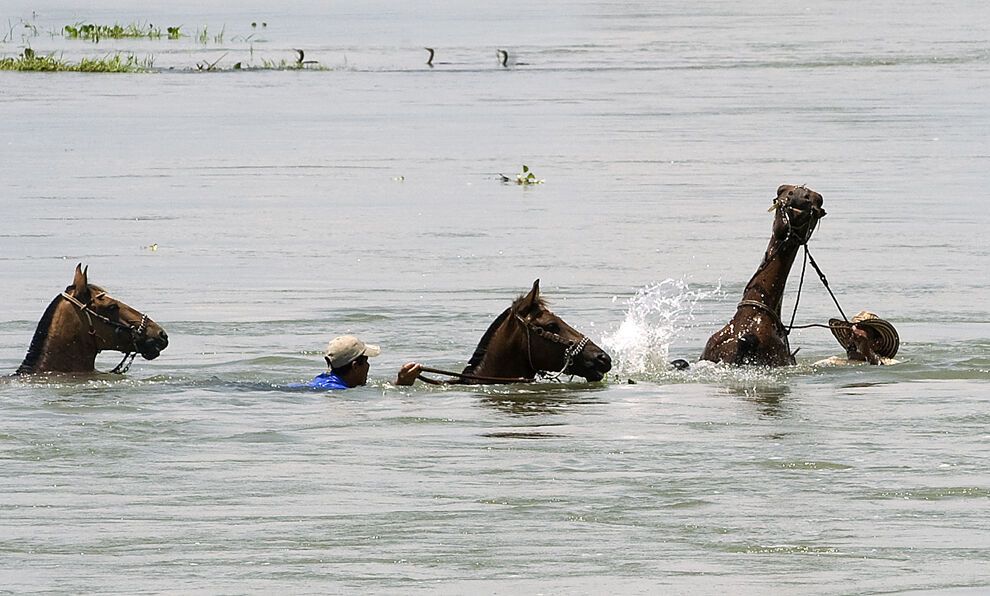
(657, 315)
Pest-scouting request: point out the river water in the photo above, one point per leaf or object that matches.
(257, 213)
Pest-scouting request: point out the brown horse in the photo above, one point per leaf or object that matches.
(526, 341)
(756, 334)
(81, 322)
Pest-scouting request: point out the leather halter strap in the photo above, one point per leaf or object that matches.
(135, 332)
(571, 348)
(760, 306)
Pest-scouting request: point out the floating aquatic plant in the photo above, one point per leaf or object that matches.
(206, 65)
(94, 32)
(26, 29)
(524, 178)
(31, 61)
(204, 37)
(297, 64)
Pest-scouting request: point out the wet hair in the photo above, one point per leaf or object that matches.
(482, 349)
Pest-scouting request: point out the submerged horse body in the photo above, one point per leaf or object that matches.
(756, 334)
(83, 321)
(528, 340)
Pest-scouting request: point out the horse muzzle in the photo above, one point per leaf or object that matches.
(593, 366)
(150, 347)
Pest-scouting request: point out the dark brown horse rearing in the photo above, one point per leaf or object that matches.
(756, 334)
(527, 341)
(81, 322)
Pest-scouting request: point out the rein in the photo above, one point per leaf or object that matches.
(135, 332)
(469, 377)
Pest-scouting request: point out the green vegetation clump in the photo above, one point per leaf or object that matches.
(525, 178)
(29, 61)
(94, 33)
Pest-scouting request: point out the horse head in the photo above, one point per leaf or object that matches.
(115, 325)
(798, 210)
(553, 345)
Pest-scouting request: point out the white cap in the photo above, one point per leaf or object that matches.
(345, 349)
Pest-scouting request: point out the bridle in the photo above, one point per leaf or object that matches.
(135, 333)
(783, 207)
(571, 348)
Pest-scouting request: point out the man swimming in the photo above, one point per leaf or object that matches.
(867, 339)
(347, 359)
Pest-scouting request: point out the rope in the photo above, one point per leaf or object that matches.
(469, 377)
(825, 282)
(797, 299)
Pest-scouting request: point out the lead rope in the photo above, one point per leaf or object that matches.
(821, 276)
(824, 280)
(468, 377)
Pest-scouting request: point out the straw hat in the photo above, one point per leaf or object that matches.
(345, 349)
(884, 337)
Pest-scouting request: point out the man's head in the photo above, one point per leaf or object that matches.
(866, 335)
(347, 357)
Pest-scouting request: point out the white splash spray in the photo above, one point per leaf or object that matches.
(657, 315)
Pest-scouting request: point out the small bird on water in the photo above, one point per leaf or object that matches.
(503, 57)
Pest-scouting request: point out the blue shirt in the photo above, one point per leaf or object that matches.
(327, 381)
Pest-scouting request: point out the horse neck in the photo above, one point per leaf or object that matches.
(507, 354)
(767, 284)
(69, 347)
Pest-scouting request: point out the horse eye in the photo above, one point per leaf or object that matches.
(553, 328)
(114, 308)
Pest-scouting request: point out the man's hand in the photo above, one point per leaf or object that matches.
(408, 373)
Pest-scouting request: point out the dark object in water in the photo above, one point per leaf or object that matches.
(680, 364)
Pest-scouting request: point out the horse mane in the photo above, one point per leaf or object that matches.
(35, 350)
(482, 349)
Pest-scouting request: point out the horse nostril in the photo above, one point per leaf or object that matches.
(163, 337)
(605, 360)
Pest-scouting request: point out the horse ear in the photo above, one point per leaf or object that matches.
(783, 188)
(80, 282)
(530, 300)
